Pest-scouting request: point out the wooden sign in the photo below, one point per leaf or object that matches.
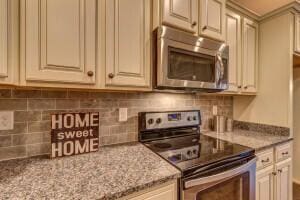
(74, 133)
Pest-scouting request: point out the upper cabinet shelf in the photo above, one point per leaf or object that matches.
(183, 14)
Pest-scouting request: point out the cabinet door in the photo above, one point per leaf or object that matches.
(181, 14)
(59, 40)
(297, 33)
(212, 19)
(265, 184)
(128, 43)
(9, 41)
(284, 180)
(233, 40)
(250, 56)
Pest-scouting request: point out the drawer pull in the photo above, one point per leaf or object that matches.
(285, 153)
(265, 161)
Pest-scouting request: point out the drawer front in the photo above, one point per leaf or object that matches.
(265, 158)
(283, 152)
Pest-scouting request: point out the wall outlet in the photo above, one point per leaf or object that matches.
(215, 110)
(6, 120)
(123, 114)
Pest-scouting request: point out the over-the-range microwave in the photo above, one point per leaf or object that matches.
(183, 61)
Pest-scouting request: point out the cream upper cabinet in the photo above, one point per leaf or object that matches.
(284, 180)
(297, 33)
(58, 41)
(250, 56)
(265, 184)
(212, 19)
(233, 40)
(9, 41)
(181, 14)
(128, 43)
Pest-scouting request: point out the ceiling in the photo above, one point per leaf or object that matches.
(262, 7)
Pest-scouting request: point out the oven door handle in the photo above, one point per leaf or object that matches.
(219, 69)
(220, 176)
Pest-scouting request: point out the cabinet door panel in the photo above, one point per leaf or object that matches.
(284, 180)
(297, 33)
(250, 55)
(233, 40)
(181, 14)
(128, 43)
(9, 42)
(265, 184)
(60, 40)
(212, 18)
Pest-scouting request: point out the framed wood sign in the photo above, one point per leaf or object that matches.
(74, 133)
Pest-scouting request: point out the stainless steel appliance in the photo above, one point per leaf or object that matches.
(211, 169)
(184, 61)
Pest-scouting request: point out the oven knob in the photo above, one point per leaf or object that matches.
(150, 121)
(195, 151)
(189, 153)
(158, 120)
(189, 118)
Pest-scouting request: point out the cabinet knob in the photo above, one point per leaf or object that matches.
(204, 28)
(239, 86)
(246, 87)
(274, 173)
(194, 23)
(280, 170)
(111, 75)
(90, 73)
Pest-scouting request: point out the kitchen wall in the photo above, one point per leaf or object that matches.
(32, 109)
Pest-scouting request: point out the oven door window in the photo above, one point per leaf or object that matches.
(190, 66)
(236, 188)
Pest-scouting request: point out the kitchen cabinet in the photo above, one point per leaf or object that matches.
(182, 14)
(233, 40)
(212, 19)
(9, 46)
(58, 41)
(297, 33)
(265, 184)
(284, 180)
(242, 39)
(250, 55)
(273, 176)
(166, 191)
(128, 43)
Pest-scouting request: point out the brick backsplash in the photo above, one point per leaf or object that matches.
(32, 109)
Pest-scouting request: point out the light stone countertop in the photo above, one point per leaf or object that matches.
(113, 172)
(256, 140)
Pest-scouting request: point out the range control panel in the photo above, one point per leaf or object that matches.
(163, 120)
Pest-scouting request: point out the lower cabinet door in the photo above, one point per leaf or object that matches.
(265, 184)
(283, 180)
(168, 192)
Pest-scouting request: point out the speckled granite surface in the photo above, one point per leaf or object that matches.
(256, 140)
(111, 173)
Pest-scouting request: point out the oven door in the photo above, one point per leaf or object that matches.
(181, 66)
(234, 184)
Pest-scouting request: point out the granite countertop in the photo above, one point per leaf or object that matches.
(111, 173)
(256, 140)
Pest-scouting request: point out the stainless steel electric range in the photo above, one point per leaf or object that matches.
(211, 169)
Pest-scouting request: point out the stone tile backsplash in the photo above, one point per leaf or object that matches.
(32, 109)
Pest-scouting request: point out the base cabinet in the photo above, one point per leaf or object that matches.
(164, 192)
(274, 179)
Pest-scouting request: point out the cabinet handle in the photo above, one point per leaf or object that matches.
(274, 173)
(90, 73)
(280, 170)
(265, 161)
(194, 24)
(246, 87)
(204, 28)
(239, 86)
(285, 153)
(111, 75)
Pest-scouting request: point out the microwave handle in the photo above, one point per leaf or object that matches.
(220, 176)
(220, 69)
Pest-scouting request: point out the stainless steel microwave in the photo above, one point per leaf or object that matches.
(187, 62)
